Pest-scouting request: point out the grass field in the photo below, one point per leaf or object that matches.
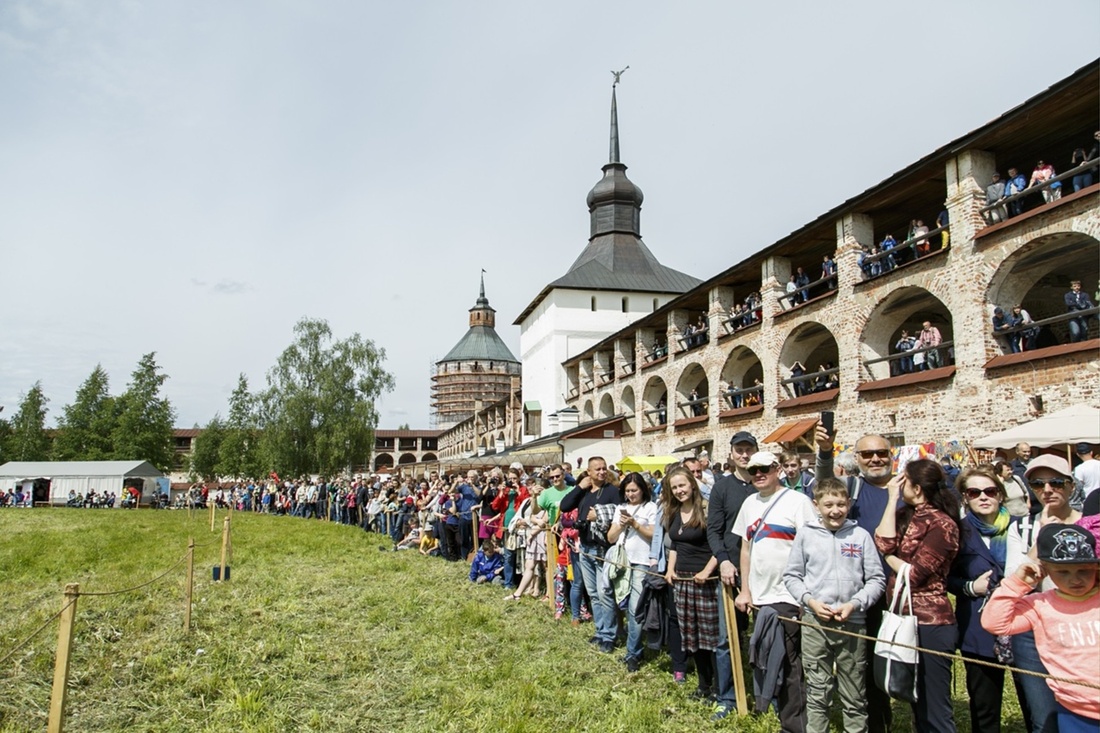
(316, 631)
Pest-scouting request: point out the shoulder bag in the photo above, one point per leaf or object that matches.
(895, 667)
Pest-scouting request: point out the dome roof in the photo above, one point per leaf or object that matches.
(615, 187)
(480, 343)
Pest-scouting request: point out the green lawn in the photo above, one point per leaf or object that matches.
(317, 630)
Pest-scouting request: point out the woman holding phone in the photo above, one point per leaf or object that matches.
(633, 527)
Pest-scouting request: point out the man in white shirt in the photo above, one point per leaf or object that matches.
(767, 524)
(1086, 475)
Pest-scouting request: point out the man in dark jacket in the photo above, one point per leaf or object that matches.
(725, 502)
(591, 491)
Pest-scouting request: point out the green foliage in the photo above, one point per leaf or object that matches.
(27, 439)
(238, 454)
(86, 426)
(145, 418)
(318, 411)
(206, 450)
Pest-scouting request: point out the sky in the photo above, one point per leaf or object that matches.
(194, 177)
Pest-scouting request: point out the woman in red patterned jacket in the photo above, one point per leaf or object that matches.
(923, 533)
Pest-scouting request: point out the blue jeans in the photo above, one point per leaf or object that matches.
(1078, 330)
(599, 592)
(1082, 180)
(576, 587)
(509, 567)
(724, 672)
(1040, 699)
(1070, 722)
(634, 645)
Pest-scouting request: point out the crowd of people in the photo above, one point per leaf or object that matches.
(807, 552)
(1020, 332)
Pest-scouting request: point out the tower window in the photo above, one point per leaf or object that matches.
(626, 305)
(593, 303)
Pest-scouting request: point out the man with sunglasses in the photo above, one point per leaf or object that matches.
(725, 502)
(868, 501)
(767, 524)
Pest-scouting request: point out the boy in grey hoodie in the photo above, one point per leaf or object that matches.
(834, 571)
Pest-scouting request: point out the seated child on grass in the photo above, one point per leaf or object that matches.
(429, 545)
(834, 571)
(412, 539)
(1066, 620)
(488, 565)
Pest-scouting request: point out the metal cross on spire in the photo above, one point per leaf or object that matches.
(618, 75)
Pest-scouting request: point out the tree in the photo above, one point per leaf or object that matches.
(238, 454)
(86, 426)
(144, 428)
(403, 426)
(206, 448)
(318, 411)
(27, 440)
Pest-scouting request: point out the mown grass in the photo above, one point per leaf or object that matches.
(316, 631)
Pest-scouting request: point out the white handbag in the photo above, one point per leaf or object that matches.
(895, 667)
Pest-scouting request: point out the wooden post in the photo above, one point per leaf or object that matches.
(189, 587)
(225, 546)
(735, 650)
(551, 564)
(475, 516)
(211, 503)
(64, 655)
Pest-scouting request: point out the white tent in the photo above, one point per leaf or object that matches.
(79, 476)
(1077, 424)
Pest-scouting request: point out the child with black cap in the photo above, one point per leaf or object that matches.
(1066, 620)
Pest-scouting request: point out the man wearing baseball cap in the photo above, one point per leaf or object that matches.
(1087, 472)
(767, 524)
(725, 502)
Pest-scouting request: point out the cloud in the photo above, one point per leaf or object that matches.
(222, 287)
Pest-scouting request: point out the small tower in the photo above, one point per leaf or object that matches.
(479, 369)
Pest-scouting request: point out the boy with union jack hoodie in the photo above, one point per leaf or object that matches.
(835, 573)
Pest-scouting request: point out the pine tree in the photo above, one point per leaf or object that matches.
(239, 450)
(86, 426)
(27, 440)
(145, 418)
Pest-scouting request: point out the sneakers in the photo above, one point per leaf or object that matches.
(594, 640)
(633, 665)
(721, 713)
(575, 622)
(678, 678)
(606, 647)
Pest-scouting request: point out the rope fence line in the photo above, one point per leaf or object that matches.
(36, 632)
(67, 615)
(800, 622)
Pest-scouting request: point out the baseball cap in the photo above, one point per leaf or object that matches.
(1083, 448)
(1055, 463)
(743, 436)
(1063, 544)
(763, 458)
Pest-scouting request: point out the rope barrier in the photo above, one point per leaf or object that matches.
(800, 622)
(137, 587)
(37, 631)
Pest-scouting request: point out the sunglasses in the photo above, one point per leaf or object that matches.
(991, 491)
(1054, 483)
(555, 476)
(869, 454)
(754, 470)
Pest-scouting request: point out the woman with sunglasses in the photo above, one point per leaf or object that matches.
(979, 567)
(1051, 479)
(924, 535)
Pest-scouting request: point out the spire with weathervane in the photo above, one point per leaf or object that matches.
(615, 203)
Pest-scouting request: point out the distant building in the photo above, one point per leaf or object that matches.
(477, 372)
(402, 447)
(615, 281)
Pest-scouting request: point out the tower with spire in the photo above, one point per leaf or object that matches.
(614, 281)
(480, 369)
